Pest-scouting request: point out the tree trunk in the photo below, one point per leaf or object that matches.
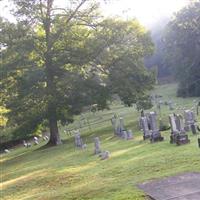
(53, 126)
(51, 86)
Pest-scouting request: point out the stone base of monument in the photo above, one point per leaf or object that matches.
(173, 137)
(179, 139)
(156, 137)
(182, 139)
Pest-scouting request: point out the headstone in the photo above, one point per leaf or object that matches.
(189, 119)
(171, 106)
(104, 155)
(129, 135)
(155, 133)
(36, 142)
(178, 134)
(79, 141)
(124, 135)
(145, 127)
(114, 123)
(26, 144)
(6, 151)
(121, 126)
(97, 148)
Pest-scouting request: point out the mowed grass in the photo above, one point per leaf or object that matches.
(64, 172)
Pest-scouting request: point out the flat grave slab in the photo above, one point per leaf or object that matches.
(181, 187)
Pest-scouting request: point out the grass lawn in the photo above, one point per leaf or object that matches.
(64, 172)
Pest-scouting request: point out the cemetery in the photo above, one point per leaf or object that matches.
(100, 100)
(97, 160)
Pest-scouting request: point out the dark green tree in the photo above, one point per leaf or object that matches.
(182, 42)
(58, 60)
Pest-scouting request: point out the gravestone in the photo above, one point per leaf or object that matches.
(78, 140)
(36, 141)
(97, 148)
(124, 135)
(119, 128)
(171, 106)
(114, 124)
(104, 155)
(155, 133)
(189, 119)
(145, 127)
(6, 151)
(26, 144)
(178, 134)
(174, 130)
(129, 135)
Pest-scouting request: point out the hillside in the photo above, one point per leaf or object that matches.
(64, 172)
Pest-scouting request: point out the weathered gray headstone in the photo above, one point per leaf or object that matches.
(36, 141)
(178, 134)
(155, 133)
(145, 127)
(6, 151)
(104, 155)
(171, 106)
(114, 123)
(129, 135)
(78, 140)
(26, 144)
(121, 125)
(97, 147)
(189, 119)
(124, 135)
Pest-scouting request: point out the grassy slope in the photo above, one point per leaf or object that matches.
(67, 173)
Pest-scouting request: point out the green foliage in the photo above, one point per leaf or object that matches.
(183, 48)
(54, 63)
(144, 103)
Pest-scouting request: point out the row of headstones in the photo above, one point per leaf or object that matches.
(35, 141)
(169, 103)
(179, 127)
(119, 128)
(28, 144)
(150, 129)
(97, 146)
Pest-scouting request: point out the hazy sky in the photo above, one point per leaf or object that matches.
(147, 11)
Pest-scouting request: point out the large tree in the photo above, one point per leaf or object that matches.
(57, 60)
(182, 42)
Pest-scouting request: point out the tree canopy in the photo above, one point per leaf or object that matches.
(56, 60)
(182, 42)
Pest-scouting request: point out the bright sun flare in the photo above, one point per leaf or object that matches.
(146, 11)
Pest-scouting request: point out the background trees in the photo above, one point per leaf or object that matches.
(55, 61)
(182, 42)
